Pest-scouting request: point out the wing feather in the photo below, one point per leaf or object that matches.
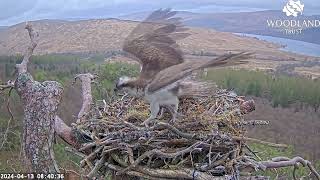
(153, 43)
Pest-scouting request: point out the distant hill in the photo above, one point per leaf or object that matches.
(139, 16)
(3, 27)
(105, 35)
(252, 23)
(242, 22)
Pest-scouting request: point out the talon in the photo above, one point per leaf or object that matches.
(175, 117)
(161, 113)
(146, 122)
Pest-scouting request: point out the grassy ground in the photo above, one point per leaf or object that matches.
(281, 90)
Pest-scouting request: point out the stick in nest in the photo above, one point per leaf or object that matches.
(159, 153)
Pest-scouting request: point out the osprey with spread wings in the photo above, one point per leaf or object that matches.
(164, 72)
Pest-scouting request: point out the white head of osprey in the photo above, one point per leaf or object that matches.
(293, 9)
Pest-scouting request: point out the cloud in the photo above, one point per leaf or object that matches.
(15, 11)
(15, 8)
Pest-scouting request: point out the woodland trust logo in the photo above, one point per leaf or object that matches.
(292, 8)
(295, 23)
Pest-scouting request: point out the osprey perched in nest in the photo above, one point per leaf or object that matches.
(164, 73)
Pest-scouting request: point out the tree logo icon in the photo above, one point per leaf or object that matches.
(293, 8)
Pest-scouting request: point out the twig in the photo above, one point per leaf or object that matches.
(175, 130)
(87, 146)
(131, 173)
(97, 167)
(216, 162)
(89, 157)
(254, 153)
(74, 151)
(162, 154)
(255, 123)
(5, 135)
(259, 141)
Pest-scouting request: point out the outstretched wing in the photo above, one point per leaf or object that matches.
(153, 43)
(178, 72)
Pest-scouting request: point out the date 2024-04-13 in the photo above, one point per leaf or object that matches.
(31, 176)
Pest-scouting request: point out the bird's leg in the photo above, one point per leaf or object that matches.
(174, 112)
(162, 112)
(154, 108)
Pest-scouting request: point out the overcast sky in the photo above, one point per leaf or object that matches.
(16, 11)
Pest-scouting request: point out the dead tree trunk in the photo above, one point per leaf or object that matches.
(40, 102)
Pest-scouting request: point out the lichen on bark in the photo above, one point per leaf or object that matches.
(40, 102)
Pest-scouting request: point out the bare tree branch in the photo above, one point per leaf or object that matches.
(279, 162)
(65, 132)
(86, 80)
(8, 85)
(23, 67)
(62, 129)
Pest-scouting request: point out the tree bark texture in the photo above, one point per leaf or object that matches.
(40, 102)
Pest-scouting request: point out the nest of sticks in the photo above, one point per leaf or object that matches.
(204, 142)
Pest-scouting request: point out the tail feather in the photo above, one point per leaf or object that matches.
(231, 59)
(182, 70)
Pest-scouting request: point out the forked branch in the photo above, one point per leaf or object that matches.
(23, 67)
(279, 162)
(63, 130)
